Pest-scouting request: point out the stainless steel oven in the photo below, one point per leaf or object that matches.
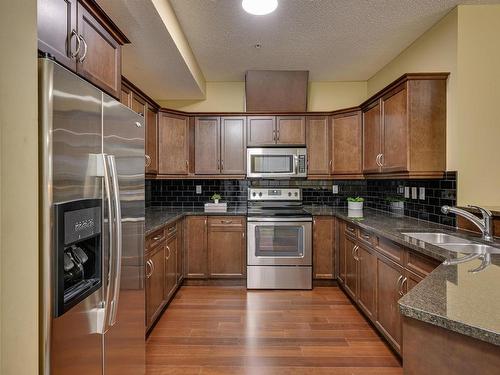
(279, 235)
(275, 162)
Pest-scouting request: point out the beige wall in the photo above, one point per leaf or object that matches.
(230, 97)
(434, 51)
(477, 103)
(18, 189)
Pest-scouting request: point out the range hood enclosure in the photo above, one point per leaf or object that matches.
(276, 90)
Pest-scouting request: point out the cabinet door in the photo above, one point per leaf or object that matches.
(342, 253)
(323, 248)
(226, 247)
(195, 252)
(170, 267)
(56, 22)
(351, 265)
(173, 145)
(100, 61)
(372, 137)
(151, 141)
(346, 144)
(138, 105)
(395, 135)
(261, 130)
(180, 252)
(291, 130)
(389, 284)
(367, 271)
(318, 145)
(233, 145)
(207, 145)
(155, 282)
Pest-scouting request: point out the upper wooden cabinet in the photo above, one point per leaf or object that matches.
(151, 141)
(173, 144)
(404, 128)
(318, 145)
(79, 35)
(276, 130)
(220, 145)
(346, 145)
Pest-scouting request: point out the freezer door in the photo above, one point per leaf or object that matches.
(70, 131)
(124, 342)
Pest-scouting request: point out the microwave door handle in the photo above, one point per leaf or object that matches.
(295, 164)
(118, 240)
(111, 244)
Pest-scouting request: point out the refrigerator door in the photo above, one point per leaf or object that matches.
(124, 342)
(70, 131)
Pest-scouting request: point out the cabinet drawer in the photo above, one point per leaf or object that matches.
(155, 238)
(420, 264)
(171, 230)
(390, 249)
(350, 229)
(365, 237)
(230, 221)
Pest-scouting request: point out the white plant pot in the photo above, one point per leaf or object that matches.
(216, 201)
(355, 205)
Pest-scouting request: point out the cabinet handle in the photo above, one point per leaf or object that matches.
(243, 234)
(148, 274)
(398, 285)
(330, 164)
(381, 160)
(169, 253)
(350, 229)
(274, 135)
(278, 135)
(158, 237)
(405, 280)
(366, 236)
(85, 47)
(218, 165)
(171, 229)
(148, 160)
(377, 160)
(222, 165)
(78, 44)
(187, 165)
(227, 221)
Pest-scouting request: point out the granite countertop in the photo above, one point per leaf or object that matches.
(156, 217)
(450, 297)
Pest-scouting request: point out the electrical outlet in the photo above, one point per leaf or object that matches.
(414, 194)
(407, 192)
(421, 193)
(335, 189)
(198, 189)
(401, 189)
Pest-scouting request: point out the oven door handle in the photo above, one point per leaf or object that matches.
(279, 219)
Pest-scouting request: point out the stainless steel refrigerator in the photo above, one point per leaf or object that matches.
(92, 229)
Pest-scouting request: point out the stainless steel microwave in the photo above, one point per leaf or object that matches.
(274, 162)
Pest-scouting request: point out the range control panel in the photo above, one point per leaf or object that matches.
(274, 194)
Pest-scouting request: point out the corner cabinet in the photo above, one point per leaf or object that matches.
(80, 36)
(404, 128)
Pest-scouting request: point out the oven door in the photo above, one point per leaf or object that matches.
(273, 241)
(275, 163)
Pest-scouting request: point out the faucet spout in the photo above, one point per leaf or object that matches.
(484, 224)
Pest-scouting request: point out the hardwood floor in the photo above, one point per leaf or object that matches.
(227, 330)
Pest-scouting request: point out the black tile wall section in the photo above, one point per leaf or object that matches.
(378, 194)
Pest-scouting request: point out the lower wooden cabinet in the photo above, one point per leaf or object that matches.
(323, 247)
(376, 272)
(215, 247)
(155, 276)
(171, 266)
(226, 247)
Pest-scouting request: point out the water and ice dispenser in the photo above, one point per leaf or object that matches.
(78, 252)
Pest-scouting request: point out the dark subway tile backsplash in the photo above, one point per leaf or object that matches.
(378, 194)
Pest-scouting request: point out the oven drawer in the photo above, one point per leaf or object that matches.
(279, 243)
(279, 277)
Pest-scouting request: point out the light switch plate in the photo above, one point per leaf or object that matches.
(335, 189)
(414, 193)
(407, 192)
(421, 193)
(198, 189)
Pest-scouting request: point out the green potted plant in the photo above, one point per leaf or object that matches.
(216, 197)
(396, 204)
(355, 203)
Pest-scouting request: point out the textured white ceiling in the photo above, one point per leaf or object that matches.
(336, 40)
(152, 60)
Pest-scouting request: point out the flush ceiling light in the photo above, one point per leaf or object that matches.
(259, 7)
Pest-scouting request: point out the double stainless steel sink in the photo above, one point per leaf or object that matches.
(453, 243)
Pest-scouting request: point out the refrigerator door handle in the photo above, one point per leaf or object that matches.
(118, 240)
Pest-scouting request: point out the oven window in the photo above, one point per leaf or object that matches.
(272, 163)
(279, 241)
